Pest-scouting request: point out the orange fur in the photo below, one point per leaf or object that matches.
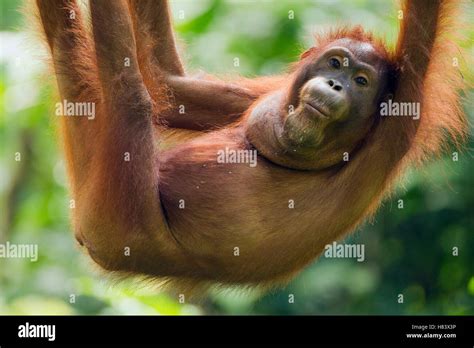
(135, 204)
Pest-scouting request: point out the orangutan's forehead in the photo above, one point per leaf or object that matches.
(363, 51)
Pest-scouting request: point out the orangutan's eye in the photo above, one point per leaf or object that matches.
(334, 63)
(362, 81)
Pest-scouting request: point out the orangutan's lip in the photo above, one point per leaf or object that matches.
(315, 110)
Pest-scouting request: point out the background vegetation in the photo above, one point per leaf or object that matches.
(409, 251)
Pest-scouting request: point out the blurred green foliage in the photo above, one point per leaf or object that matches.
(409, 251)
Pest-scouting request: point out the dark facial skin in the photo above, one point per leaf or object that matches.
(325, 112)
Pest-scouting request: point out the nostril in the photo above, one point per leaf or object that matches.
(331, 83)
(338, 88)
